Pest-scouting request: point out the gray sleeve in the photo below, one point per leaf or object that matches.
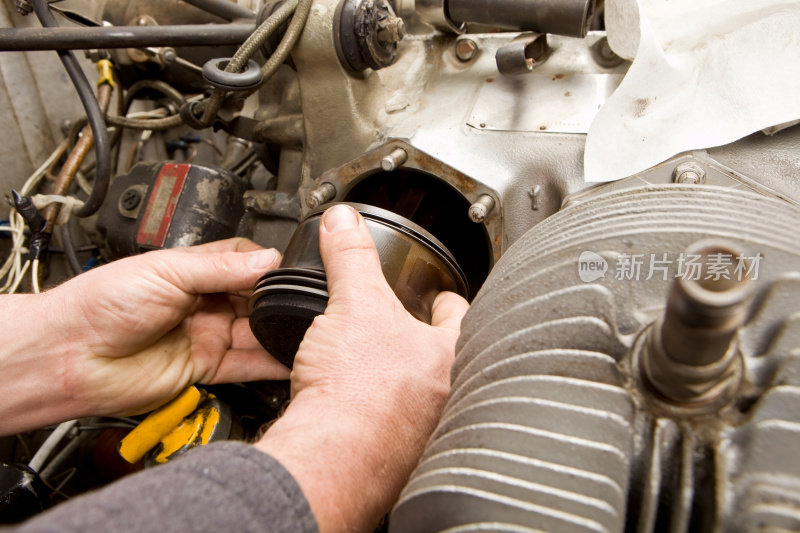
(227, 486)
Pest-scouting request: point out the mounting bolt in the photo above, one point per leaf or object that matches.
(691, 353)
(394, 160)
(689, 173)
(481, 208)
(466, 49)
(321, 195)
(131, 199)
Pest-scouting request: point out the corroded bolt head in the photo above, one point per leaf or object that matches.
(391, 31)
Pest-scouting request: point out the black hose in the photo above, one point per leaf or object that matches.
(102, 147)
(69, 249)
(48, 38)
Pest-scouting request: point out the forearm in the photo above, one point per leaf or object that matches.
(32, 363)
(350, 470)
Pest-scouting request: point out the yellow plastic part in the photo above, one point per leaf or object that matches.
(158, 424)
(105, 72)
(196, 430)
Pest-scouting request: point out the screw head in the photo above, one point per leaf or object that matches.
(466, 49)
(131, 199)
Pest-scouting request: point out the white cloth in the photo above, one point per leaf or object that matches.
(705, 73)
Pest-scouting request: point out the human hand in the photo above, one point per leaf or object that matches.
(136, 332)
(368, 384)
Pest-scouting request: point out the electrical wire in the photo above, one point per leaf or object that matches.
(20, 277)
(68, 474)
(13, 269)
(93, 113)
(35, 276)
(69, 249)
(50, 444)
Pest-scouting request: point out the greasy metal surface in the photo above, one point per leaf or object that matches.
(426, 99)
(573, 101)
(208, 208)
(549, 426)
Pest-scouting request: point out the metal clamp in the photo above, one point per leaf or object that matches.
(522, 54)
(214, 73)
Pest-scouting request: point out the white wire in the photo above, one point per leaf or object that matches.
(35, 276)
(12, 266)
(19, 277)
(39, 173)
(13, 270)
(50, 444)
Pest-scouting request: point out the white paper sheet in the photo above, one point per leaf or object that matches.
(705, 73)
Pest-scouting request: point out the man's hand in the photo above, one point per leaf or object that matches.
(127, 337)
(369, 383)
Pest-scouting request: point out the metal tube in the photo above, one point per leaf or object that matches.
(690, 355)
(562, 17)
(75, 159)
(223, 9)
(703, 316)
(30, 39)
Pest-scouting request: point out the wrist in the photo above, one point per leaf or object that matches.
(350, 468)
(35, 360)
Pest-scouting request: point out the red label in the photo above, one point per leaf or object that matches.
(161, 205)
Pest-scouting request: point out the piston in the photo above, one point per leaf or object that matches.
(416, 265)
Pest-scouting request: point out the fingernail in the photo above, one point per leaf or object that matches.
(262, 258)
(340, 218)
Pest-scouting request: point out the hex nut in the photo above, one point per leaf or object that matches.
(689, 173)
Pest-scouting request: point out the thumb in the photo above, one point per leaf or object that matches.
(448, 310)
(213, 272)
(351, 261)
